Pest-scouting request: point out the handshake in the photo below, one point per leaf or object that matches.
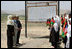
(20, 28)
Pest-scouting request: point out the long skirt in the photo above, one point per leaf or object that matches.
(53, 38)
(10, 32)
(68, 43)
(9, 39)
(65, 40)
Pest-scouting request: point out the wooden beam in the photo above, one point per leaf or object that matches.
(42, 6)
(42, 2)
(58, 8)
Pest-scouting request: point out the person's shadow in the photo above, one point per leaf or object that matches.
(20, 45)
(42, 37)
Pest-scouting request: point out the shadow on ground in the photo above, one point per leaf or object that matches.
(20, 45)
(42, 37)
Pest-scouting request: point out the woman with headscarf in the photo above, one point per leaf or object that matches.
(53, 35)
(10, 31)
(57, 20)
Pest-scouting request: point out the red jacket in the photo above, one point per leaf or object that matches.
(47, 22)
(52, 21)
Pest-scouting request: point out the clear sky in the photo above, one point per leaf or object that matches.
(12, 5)
(20, 5)
(65, 5)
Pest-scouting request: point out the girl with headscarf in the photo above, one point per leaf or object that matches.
(65, 32)
(53, 35)
(68, 44)
(10, 31)
(48, 22)
(52, 21)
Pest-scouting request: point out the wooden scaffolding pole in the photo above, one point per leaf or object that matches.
(58, 8)
(26, 15)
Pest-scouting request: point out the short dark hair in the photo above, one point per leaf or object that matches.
(47, 19)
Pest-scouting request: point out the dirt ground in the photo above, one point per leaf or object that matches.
(38, 36)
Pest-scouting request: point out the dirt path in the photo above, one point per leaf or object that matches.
(38, 37)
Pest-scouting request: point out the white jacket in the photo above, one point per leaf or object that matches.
(55, 27)
(68, 36)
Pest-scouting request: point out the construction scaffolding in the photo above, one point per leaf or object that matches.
(40, 11)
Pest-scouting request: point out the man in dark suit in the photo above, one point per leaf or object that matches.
(19, 31)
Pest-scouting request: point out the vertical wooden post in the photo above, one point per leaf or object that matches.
(26, 19)
(58, 8)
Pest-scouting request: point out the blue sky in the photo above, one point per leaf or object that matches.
(20, 5)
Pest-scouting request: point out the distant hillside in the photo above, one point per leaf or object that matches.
(20, 12)
(3, 12)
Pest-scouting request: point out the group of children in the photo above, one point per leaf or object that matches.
(13, 31)
(66, 30)
(55, 24)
